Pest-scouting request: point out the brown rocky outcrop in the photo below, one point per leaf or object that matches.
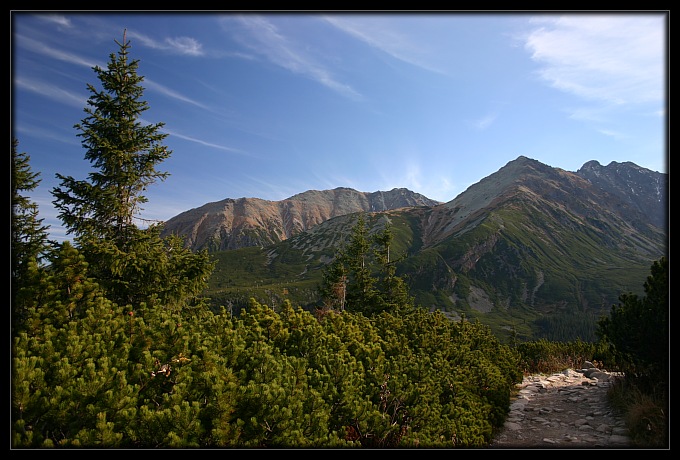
(236, 223)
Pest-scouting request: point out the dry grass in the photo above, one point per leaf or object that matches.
(646, 415)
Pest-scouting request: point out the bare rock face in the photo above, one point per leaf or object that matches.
(237, 223)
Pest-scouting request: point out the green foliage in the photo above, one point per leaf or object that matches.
(88, 373)
(108, 376)
(637, 329)
(64, 285)
(149, 269)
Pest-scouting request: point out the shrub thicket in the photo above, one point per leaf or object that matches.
(111, 376)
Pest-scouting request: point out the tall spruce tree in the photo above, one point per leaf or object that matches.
(134, 265)
(124, 153)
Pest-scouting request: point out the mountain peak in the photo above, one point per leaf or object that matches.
(592, 165)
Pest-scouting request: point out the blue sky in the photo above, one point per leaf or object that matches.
(270, 105)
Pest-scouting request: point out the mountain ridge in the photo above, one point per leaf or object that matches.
(243, 222)
(233, 223)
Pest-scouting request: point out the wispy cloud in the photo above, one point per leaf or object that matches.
(411, 175)
(384, 35)
(208, 144)
(56, 19)
(413, 171)
(176, 45)
(252, 186)
(50, 91)
(39, 131)
(150, 84)
(614, 134)
(56, 93)
(615, 59)
(52, 53)
(265, 39)
(594, 114)
(484, 122)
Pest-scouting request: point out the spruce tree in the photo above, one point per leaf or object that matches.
(124, 153)
(333, 288)
(362, 277)
(29, 240)
(361, 291)
(393, 289)
(134, 265)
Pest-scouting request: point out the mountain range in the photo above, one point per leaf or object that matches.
(531, 250)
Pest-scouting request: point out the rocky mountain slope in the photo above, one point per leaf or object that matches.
(599, 197)
(530, 250)
(639, 188)
(244, 222)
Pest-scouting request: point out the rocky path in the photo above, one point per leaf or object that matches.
(564, 410)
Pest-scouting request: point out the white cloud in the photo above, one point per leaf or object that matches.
(386, 35)
(185, 45)
(485, 121)
(616, 58)
(265, 39)
(149, 84)
(208, 144)
(610, 133)
(56, 19)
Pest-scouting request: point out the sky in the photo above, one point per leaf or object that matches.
(269, 105)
